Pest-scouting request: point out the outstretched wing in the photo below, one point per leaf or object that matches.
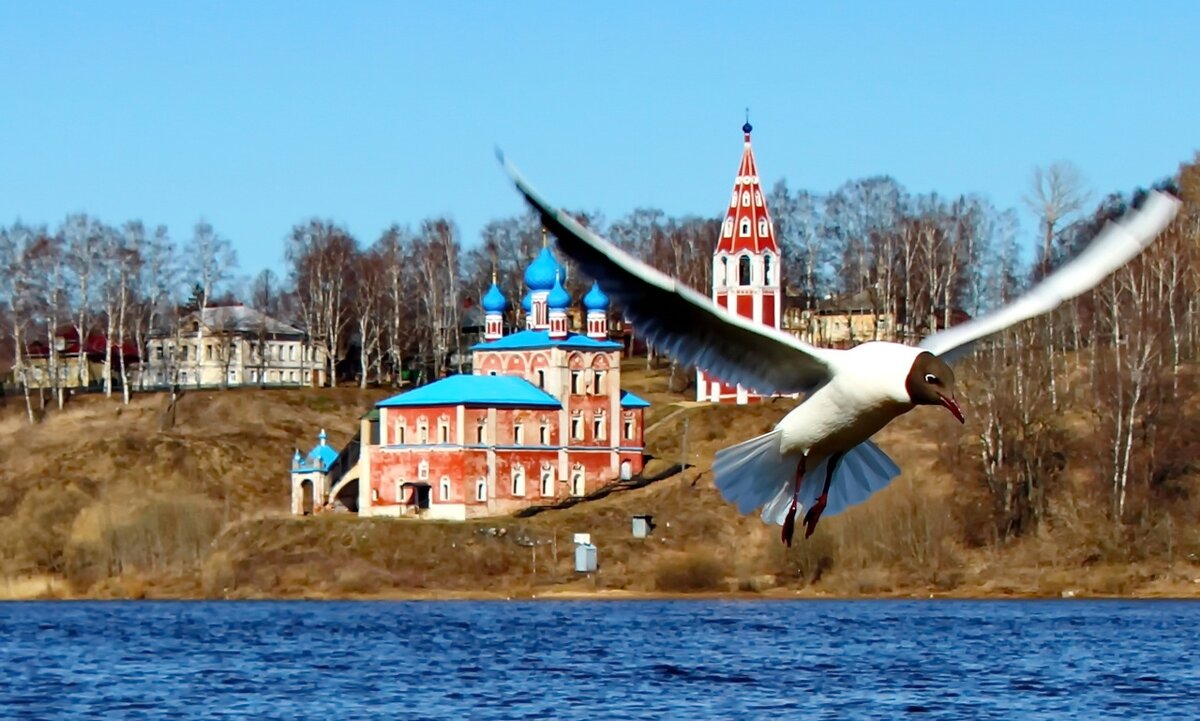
(680, 321)
(1114, 246)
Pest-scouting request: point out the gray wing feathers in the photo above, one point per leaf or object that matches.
(1114, 246)
(679, 321)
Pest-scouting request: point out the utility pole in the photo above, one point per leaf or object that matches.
(683, 450)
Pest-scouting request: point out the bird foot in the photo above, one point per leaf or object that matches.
(789, 525)
(814, 515)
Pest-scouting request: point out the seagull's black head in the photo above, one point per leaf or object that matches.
(931, 383)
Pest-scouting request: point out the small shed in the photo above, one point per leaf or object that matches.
(585, 558)
(642, 525)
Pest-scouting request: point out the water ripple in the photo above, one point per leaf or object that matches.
(598, 660)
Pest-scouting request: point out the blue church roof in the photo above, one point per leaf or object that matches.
(629, 400)
(559, 298)
(320, 458)
(494, 300)
(595, 299)
(474, 390)
(543, 270)
(533, 339)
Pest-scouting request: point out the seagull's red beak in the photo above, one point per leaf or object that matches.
(952, 406)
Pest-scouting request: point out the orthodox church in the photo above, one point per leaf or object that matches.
(746, 265)
(541, 418)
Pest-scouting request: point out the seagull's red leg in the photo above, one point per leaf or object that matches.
(789, 523)
(814, 513)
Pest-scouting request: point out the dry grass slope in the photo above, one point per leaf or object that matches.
(97, 501)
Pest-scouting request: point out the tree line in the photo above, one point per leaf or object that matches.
(1116, 359)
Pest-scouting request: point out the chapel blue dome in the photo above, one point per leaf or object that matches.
(595, 299)
(494, 300)
(559, 298)
(543, 270)
(527, 302)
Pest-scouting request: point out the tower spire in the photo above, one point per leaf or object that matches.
(746, 265)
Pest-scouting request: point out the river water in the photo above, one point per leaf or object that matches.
(600, 660)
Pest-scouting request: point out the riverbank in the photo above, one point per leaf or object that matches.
(100, 502)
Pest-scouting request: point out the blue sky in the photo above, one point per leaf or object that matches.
(258, 115)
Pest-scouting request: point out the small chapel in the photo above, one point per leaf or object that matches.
(542, 417)
(746, 265)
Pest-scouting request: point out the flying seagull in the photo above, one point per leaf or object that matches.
(819, 457)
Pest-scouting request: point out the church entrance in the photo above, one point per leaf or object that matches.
(306, 494)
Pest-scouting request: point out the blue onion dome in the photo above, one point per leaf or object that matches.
(527, 302)
(542, 271)
(595, 299)
(494, 300)
(559, 298)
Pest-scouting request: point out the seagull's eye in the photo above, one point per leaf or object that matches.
(931, 379)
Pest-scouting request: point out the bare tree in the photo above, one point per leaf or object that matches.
(369, 298)
(15, 287)
(83, 237)
(322, 257)
(210, 262)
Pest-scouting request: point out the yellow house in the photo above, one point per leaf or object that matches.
(73, 370)
(841, 321)
(234, 345)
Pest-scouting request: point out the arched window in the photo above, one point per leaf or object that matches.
(764, 228)
(444, 489)
(744, 230)
(547, 481)
(598, 426)
(733, 200)
(577, 485)
(728, 227)
(746, 198)
(758, 198)
(725, 268)
(744, 270)
(767, 269)
(518, 481)
(480, 490)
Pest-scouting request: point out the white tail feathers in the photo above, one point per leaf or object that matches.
(754, 473)
(750, 473)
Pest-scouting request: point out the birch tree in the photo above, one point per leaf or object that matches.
(209, 262)
(322, 256)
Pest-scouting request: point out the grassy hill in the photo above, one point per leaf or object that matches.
(98, 501)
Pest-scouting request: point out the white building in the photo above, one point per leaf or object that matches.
(233, 346)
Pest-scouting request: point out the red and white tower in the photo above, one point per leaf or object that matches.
(745, 268)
